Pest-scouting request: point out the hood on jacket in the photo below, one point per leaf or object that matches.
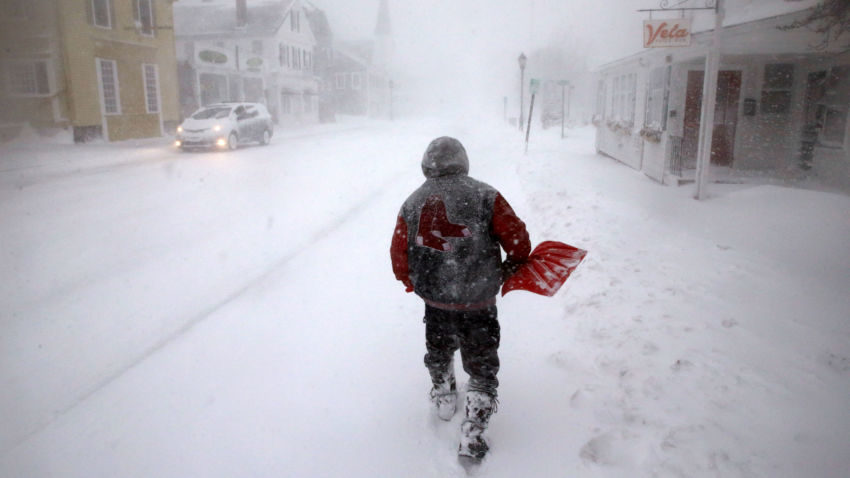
(443, 157)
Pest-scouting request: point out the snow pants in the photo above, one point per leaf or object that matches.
(476, 333)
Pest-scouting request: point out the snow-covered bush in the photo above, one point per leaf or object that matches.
(651, 133)
(621, 127)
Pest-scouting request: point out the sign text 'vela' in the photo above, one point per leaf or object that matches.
(663, 33)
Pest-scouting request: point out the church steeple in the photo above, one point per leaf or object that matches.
(383, 28)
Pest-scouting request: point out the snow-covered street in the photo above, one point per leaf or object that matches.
(234, 314)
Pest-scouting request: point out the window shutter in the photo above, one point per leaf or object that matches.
(153, 17)
(112, 14)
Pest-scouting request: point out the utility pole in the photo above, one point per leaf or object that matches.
(709, 101)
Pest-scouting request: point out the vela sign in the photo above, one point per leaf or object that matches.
(664, 33)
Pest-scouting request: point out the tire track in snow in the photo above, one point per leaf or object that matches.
(380, 190)
(77, 170)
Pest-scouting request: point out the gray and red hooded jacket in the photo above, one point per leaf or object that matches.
(446, 244)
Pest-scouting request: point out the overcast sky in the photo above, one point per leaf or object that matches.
(455, 51)
(465, 50)
(452, 45)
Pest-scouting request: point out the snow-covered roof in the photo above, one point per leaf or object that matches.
(358, 51)
(220, 19)
(318, 22)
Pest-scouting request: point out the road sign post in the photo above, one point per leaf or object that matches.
(564, 84)
(534, 85)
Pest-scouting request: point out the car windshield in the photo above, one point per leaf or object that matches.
(207, 113)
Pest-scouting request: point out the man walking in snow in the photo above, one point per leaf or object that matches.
(446, 249)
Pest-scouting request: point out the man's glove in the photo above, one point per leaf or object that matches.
(408, 286)
(510, 267)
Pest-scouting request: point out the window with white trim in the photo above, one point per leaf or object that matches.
(615, 97)
(101, 13)
(295, 21)
(108, 74)
(27, 78)
(145, 16)
(623, 97)
(777, 88)
(340, 81)
(356, 81)
(283, 54)
(832, 108)
(296, 58)
(151, 77)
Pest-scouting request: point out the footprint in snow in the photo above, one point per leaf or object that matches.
(681, 365)
(838, 363)
(649, 348)
(616, 447)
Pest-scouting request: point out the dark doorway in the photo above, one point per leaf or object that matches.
(725, 117)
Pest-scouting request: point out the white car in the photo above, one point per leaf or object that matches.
(225, 125)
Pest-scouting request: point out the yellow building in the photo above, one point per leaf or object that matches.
(105, 68)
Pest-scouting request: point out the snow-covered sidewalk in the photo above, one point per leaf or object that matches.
(235, 315)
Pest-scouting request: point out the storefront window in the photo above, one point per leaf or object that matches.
(833, 107)
(600, 98)
(656, 104)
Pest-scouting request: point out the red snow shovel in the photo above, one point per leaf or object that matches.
(547, 268)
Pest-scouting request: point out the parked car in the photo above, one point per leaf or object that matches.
(225, 125)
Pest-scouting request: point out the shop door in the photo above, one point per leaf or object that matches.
(725, 117)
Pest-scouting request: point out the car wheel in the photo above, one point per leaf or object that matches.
(232, 141)
(267, 135)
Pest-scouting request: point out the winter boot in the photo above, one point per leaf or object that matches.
(479, 407)
(444, 395)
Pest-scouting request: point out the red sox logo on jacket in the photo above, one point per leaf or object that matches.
(434, 226)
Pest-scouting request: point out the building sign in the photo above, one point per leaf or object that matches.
(212, 56)
(665, 33)
(254, 64)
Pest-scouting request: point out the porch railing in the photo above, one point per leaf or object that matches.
(675, 159)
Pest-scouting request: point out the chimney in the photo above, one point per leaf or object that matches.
(241, 13)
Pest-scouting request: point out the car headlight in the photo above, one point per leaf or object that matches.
(179, 129)
(217, 128)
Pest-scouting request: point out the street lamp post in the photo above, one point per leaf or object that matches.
(521, 61)
(391, 85)
(563, 113)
